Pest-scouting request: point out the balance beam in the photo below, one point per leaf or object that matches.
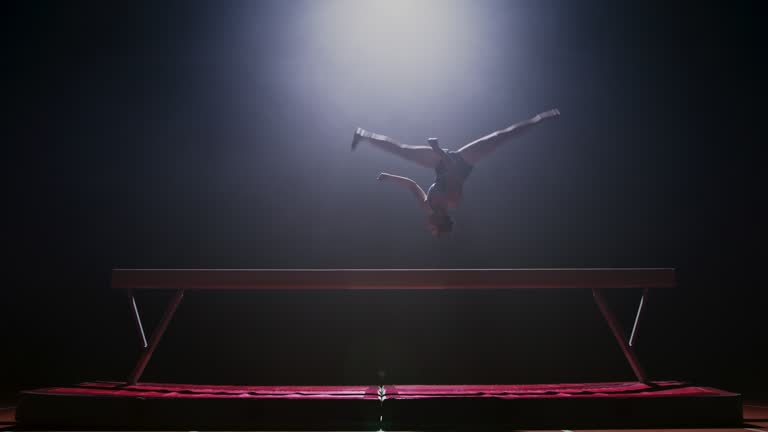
(596, 279)
(415, 279)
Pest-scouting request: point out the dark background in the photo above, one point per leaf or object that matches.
(216, 135)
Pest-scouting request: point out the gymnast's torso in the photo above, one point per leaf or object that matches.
(450, 174)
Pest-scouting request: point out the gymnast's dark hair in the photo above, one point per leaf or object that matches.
(443, 222)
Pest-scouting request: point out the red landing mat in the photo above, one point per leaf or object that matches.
(574, 390)
(562, 406)
(199, 391)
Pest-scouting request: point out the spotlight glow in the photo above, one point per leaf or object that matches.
(393, 42)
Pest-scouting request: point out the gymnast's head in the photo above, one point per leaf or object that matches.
(439, 223)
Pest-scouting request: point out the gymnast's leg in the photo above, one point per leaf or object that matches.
(480, 148)
(421, 155)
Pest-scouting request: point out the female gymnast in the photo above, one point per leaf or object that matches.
(451, 167)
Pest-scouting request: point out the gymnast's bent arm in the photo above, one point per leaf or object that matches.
(409, 184)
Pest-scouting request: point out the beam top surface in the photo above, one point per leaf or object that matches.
(393, 279)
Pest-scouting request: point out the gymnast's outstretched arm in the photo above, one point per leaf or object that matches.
(409, 184)
(480, 148)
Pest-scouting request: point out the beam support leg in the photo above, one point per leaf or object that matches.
(613, 323)
(640, 309)
(137, 321)
(157, 334)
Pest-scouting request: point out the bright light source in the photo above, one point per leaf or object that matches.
(393, 42)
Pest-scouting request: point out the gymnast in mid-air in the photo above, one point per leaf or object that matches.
(451, 167)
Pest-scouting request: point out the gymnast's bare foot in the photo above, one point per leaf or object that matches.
(547, 114)
(360, 133)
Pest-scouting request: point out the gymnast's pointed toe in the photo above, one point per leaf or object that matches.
(359, 134)
(356, 138)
